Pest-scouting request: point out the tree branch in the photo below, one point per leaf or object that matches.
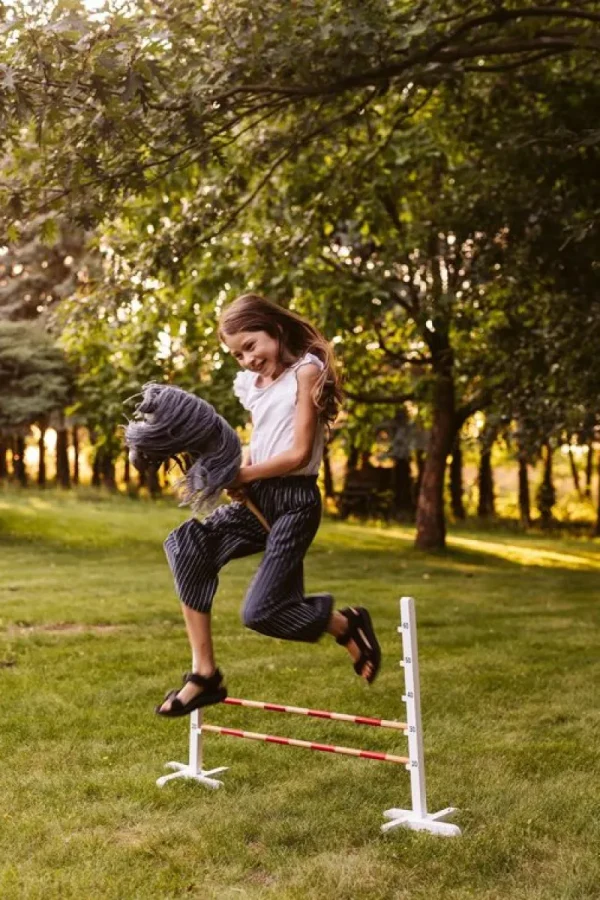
(306, 139)
(467, 410)
(441, 51)
(396, 123)
(387, 201)
(418, 360)
(378, 398)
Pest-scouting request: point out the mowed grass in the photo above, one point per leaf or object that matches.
(91, 638)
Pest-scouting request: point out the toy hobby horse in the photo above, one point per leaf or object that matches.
(171, 423)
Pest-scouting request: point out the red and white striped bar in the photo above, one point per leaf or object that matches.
(317, 713)
(305, 745)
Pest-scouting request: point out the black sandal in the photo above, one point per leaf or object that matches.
(360, 630)
(214, 692)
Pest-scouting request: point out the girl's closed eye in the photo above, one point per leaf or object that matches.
(245, 349)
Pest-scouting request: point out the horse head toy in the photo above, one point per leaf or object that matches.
(170, 423)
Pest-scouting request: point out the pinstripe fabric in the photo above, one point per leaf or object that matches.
(275, 603)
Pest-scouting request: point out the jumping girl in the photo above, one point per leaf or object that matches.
(290, 386)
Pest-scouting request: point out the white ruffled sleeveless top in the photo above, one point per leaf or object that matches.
(273, 409)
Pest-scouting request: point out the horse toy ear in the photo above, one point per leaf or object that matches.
(151, 399)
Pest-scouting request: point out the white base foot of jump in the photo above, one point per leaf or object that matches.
(432, 822)
(183, 771)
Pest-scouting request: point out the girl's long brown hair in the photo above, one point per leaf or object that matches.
(296, 337)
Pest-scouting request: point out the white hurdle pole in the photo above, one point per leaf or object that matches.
(416, 818)
(193, 769)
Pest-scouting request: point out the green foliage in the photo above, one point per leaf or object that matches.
(546, 499)
(378, 166)
(406, 235)
(46, 264)
(143, 89)
(35, 379)
(124, 330)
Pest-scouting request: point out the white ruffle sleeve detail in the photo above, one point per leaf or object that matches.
(309, 358)
(241, 386)
(306, 360)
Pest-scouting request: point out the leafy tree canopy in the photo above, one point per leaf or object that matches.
(43, 267)
(117, 99)
(35, 380)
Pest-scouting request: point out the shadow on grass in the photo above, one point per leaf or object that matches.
(58, 523)
(470, 548)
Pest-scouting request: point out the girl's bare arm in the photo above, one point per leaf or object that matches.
(305, 427)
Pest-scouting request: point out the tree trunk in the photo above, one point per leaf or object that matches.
(588, 470)
(41, 478)
(63, 476)
(404, 491)
(96, 459)
(456, 480)
(75, 439)
(153, 481)
(18, 460)
(3, 462)
(142, 475)
(524, 501)
(352, 461)
(327, 474)
(597, 529)
(126, 470)
(431, 524)
(97, 462)
(420, 460)
(546, 496)
(108, 471)
(574, 470)
(486, 505)
(351, 465)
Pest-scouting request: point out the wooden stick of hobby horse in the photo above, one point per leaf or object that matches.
(254, 509)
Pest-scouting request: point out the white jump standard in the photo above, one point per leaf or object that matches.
(416, 818)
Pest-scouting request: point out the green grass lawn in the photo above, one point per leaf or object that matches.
(91, 638)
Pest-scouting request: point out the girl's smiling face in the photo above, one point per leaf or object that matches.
(257, 351)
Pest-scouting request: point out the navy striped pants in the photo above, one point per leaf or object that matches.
(275, 603)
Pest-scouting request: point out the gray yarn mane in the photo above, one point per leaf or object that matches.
(175, 424)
